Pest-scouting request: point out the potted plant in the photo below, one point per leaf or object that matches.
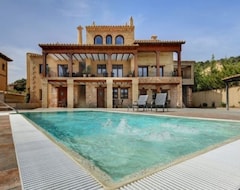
(89, 71)
(84, 72)
(130, 73)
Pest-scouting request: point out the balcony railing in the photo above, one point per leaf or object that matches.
(78, 74)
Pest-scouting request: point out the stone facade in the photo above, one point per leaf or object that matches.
(120, 68)
(4, 72)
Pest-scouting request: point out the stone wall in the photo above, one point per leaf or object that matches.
(217, 97)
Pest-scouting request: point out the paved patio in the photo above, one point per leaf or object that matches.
(217, 169)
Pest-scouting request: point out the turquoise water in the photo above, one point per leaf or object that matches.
(124, 144)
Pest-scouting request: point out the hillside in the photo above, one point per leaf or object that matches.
(208, 75)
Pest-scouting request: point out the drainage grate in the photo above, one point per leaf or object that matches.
(215, 170)
(42, 164)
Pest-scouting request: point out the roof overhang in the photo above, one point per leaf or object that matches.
(92, 56)
(95, 52)
(232, 78)
(159, 45)
(5, 57)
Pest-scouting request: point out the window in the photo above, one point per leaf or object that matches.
(161, 71)
(124, 93)
(119, 40)
(98, 40)
(115, 93)
(3, 67)
(41, 68)
(101, 68)
(142, 71)
(109, 39)
(62, 70)
(117, 70)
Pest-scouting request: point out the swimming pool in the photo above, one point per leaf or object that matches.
(119, 147)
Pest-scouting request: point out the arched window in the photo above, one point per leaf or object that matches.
(98, 40)
(119, 40)
(109, 39)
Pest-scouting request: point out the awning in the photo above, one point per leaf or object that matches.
(92, 56)
(232, 78)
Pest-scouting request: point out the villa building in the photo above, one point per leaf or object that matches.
(110, 70)
(4, 72)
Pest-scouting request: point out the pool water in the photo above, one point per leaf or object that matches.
(122, 145)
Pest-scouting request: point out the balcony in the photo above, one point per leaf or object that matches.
(168, 78)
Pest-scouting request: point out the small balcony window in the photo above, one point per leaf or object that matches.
(98, 40)
(142, 71)
(119, 40)
(62, 70)
(109, 39)
(101, 69)
(117, 70)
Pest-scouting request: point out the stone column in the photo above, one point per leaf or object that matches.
(44, 64)
(134, 89)
(70, 93)
(70, 65)
(179, 64)
(44, 93)
(109, 64)
(135, 65)
(179, 92)
(157, 64)
(109, 82)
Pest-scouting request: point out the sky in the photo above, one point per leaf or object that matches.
(209, 27)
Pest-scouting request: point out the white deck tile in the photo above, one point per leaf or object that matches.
(42, 164)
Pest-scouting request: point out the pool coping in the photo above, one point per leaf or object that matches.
(141, 182)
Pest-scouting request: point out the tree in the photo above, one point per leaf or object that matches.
(20, 85)
(208, 75)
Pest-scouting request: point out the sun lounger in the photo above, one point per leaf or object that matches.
(141, 103)
(160, 100)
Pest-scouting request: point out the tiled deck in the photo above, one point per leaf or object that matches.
(217, 169)
(9, 175)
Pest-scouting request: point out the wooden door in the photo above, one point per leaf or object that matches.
(62, 97)
(100, 97)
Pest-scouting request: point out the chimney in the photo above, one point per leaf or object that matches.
(153, 37)
(80, 28)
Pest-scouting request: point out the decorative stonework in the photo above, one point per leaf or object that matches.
(109, 29)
